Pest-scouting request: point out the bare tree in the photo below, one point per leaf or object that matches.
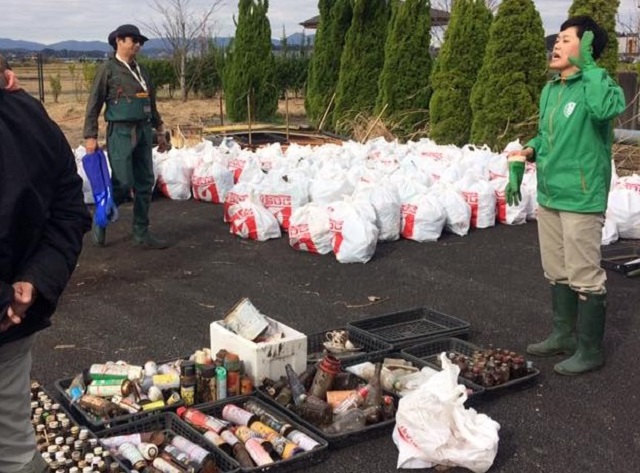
(186, 32)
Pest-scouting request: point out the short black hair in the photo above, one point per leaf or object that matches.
(586, 23)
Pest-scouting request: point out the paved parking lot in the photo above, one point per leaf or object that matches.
(132, 304)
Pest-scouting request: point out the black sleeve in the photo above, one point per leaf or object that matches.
(51, 265)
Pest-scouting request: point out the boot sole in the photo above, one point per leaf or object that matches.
(576, 373)
(550, 354)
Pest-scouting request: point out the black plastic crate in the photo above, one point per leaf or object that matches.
(296, 462)
(623, 258)
(171, 425)
(409, 327)
(339, 440)
(428, 353)
(96, 423)
(370, 346)
(476, 390)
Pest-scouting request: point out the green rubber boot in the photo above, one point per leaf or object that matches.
(144, 239)
(565, 311)
(98, 234)
(589, 355)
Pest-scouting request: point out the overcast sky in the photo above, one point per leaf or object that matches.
(51, 21)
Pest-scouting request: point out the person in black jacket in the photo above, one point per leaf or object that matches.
(42, 221)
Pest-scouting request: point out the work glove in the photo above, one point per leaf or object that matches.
(585, 62)
(512, 191)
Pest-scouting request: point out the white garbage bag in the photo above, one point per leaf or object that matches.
(309, 229)
(434, 428)
(249, 219)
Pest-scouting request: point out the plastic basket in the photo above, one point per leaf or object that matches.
(296, 462)
(622, 259)
(370, 346)
(95, 423)
(171, 425)
(476, 390)
(74, 422)
(409, 327)
(338, 440)
(428, 353)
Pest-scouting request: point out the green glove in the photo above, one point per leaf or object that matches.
(512, 191)
(585, 61)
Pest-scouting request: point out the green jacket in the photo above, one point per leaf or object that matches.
(114, 84)
(573, 145)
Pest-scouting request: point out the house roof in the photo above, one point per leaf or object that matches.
(438, 18)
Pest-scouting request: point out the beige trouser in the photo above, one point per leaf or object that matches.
(570, 249)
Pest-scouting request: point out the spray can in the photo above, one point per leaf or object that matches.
(221, 381)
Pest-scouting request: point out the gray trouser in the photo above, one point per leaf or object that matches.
(18, 452)
(570, 249)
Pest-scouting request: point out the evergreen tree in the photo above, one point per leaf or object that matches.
(457, 67)
(404, 81)
(604, 13)
(250, 68)
(504, 100)
(362, 61)
(335, 19)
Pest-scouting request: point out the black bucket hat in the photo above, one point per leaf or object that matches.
(123, 31)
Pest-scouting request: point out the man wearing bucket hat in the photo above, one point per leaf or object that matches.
(125, 87)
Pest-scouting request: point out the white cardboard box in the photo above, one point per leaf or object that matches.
(265, 359)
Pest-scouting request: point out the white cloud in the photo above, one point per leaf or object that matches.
(50, 21)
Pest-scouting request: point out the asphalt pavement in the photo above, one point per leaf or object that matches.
(132, 304)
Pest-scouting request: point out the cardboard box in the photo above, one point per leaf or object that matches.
(265, 359)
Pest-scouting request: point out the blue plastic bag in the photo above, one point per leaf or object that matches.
(95, 166)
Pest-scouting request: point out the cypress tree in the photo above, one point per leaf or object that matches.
(456, 72)
(604, 13)
(504, 100)
(362, 61)
(335, 19)
(404, 81)
(251, 65)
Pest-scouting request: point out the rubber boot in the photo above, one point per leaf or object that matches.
(98, 234)
(144, 239)
(589, 355)
(565, 311)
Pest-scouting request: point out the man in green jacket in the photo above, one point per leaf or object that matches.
(572, 151)
(125, 87)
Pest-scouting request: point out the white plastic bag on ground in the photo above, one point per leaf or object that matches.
(249, 219)
(385, 199)
(609, 231)
(434, 428)
(309, 229)
(458, 211)
(423, 218)
(481, 197)
(624, 206)
(237, 194)
(174, 174)
(281, 196)
(508, 214)
(354, 232)
(211, 182)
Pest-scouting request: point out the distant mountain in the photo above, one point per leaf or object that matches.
(6, 43)
(79, 46)
(154, 44)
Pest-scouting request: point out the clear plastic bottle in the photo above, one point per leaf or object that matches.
(355, 399)
(353, 419)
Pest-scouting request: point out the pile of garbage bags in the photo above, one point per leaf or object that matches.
(346, 198)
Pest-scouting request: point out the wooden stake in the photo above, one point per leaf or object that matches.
(375, 122)
(326, 112)
(286, 108)
(221, 111)
(249, 115)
